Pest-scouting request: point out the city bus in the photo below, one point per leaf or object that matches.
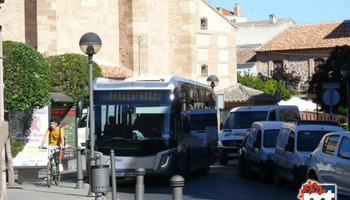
(165, 125)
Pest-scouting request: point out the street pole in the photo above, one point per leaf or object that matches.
(348, 100)
(92, 128)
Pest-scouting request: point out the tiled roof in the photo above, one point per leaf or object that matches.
(310, 36)
(241, 93)
(227, 12)
(246, 56)
(60, 98)
(115, 72)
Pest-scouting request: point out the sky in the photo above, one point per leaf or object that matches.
(301, 11)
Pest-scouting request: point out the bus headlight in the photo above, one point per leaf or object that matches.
(164, 161)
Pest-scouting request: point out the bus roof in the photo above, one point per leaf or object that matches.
(166, 82)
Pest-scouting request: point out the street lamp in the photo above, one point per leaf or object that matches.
(213, 81)
(345, 72)
(90, 43)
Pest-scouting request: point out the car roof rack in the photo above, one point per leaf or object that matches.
(315, 122)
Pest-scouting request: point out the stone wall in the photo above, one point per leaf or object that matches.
(300, 61)
(149, 37)
(12, 20)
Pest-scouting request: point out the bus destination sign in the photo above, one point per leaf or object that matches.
(133, 96)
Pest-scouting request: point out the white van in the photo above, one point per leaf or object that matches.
(239, 121)
(295, 142)
(259, 149)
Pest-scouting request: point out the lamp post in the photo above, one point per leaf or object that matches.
(213, 81)
(345, 72)
(90, 43)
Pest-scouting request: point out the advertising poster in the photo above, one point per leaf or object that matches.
(27, 129)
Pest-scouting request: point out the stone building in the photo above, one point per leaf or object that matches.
(187, 38)
(302, 47)
(251, 35)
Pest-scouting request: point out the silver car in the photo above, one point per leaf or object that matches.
(330, 162)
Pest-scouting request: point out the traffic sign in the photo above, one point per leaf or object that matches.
(331, 97)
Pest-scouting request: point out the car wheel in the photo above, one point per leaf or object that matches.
(188, 165)
(248, 171)
(297, 179)
(277, 179)
(223, 159)
(242, 168)
(264, 172)
(312, 176)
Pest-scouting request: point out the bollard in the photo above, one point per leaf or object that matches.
(140, 187)
(80, 182)
(98, 159)
(114, 184)
(177, 182)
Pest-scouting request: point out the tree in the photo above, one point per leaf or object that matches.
(269, 86)
(330, 73)
(250, 81)
(272, 85)
(27, 77)
(280, 74)
(71, 74)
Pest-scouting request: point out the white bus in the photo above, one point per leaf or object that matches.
(166, 125)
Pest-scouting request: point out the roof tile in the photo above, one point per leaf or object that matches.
(114, 72)
(310, 36)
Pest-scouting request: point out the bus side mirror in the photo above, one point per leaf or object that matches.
(80, 106)
(221, 125)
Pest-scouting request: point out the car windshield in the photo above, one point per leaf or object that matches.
(243, 120)
(270, 137)
(308, 140)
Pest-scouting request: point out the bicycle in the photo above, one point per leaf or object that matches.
(52, 170)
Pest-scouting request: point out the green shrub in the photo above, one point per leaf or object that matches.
(71, 74)
(27, 77)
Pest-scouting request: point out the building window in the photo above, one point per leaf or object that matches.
(277, 64)
(318, 62)
(204, 23)
(204, 70)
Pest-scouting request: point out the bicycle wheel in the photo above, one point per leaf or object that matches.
(57, 175)
(49, 174)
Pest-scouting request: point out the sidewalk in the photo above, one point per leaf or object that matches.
(39, 190)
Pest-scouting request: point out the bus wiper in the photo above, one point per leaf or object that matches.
(116, 139)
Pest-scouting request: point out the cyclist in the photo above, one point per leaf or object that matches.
(56, 138)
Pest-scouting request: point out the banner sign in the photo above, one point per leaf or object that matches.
(27, 129)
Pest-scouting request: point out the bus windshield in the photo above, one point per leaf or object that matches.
(129, 121)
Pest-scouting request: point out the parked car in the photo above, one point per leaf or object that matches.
(330, 162)
(294, 144)
(259, 149)
(239, 121)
